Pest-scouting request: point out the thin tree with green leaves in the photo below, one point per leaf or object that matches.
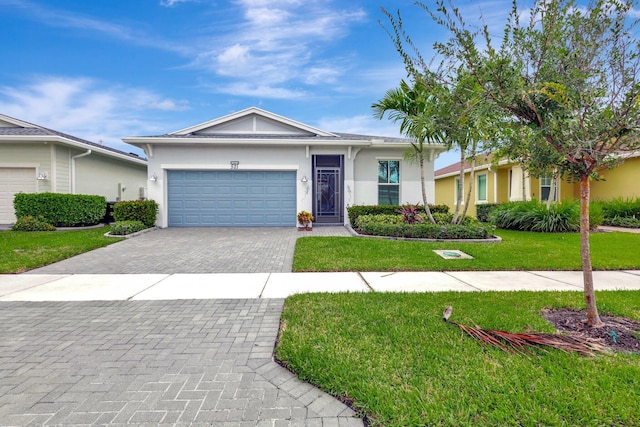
(569, 73)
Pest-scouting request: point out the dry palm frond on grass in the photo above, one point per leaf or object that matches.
(524, 342)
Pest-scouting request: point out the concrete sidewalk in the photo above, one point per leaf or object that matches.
(122, 287)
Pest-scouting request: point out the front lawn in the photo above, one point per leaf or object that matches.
(21, 251)
(401, 365)
(517, 251)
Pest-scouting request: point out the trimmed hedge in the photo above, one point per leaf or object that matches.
(29, 223)
(357, 210)
(121, 228)
(144, 211)
(427, 231)
(61, 210)
(397, 219)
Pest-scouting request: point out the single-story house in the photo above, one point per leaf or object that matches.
(256, 168)
(35, 159)
(508, 182)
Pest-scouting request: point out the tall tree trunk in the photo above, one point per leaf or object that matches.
(593, 318)
(472, 176)
(460, 189)
(424, 188)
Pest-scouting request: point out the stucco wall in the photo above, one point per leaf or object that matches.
(622, 181)
(100, 175)
(360, 170)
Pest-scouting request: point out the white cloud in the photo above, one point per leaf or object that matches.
(87, 108)
(279, 43)
(359, 124)
(257, 90)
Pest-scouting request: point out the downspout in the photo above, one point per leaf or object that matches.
(73, 170)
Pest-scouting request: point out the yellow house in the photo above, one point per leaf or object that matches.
(508, 182)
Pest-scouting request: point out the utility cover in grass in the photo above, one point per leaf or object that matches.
(452, 254)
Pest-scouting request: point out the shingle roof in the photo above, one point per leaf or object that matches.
(42, 131)
(339, 137)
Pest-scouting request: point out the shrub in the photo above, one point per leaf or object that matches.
(29, 223)
(357, 210)
(537, 216)
(410, 214)
(447, 218)
(61, 210)
(378, 219)
(144, 211)
(619, 207)
(483, 211)
(427, 231)
(122, 228)
(628, 222)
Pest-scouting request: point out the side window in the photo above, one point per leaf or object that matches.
(388, 182)
(481, 188)
(545, 188)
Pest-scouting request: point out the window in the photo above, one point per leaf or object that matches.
(481, 188)
(545, 188)
(458, 191)
(388, 182)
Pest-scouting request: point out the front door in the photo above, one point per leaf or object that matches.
(327, 189)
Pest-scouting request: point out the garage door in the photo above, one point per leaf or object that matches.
(12, 181)
(231, 198)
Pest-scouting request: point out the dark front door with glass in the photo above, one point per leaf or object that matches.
(327, 189)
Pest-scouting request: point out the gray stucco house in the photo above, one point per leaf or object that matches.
(35, 159)
(256, 168)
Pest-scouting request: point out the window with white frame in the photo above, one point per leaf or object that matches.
(546, 183)
(388, 182)
(458, 191)
(481, 188)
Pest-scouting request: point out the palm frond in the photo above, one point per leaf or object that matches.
(523, 343)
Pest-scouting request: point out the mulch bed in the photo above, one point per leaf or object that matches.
(618, 333)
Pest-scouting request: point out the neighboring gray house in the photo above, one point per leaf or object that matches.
(34, 159)
(255, 168)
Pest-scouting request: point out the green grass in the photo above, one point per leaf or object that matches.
(403, 366)
(21, 251)
(517, 251)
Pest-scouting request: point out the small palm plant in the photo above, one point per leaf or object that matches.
(304, 219)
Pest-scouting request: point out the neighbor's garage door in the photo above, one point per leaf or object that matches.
(231, 198)
(12, 181)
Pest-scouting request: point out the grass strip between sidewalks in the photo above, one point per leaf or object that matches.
(21, 251)
(401, 365)
(517, 251)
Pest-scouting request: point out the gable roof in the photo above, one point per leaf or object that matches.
(259, 127)
(12, 129)
(252, 121)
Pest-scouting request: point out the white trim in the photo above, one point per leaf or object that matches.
(227, 166)
(271, 140)
(478, 201)
(19, 165)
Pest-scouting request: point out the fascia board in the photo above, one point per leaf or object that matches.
(65, 141)
(139, 142)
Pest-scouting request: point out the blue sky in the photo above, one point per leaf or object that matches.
(103, 70)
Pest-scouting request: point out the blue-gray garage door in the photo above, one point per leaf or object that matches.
(231, 198)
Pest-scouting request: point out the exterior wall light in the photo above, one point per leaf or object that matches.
(42, 176)
(304, 179)
(153, 178)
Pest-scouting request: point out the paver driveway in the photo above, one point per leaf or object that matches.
(194, 250)
(181, 363)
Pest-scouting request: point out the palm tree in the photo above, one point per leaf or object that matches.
(415, 107)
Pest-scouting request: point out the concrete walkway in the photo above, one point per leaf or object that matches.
(138, 287)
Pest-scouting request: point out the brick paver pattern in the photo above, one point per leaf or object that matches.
(196, 251)
(178, 363)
